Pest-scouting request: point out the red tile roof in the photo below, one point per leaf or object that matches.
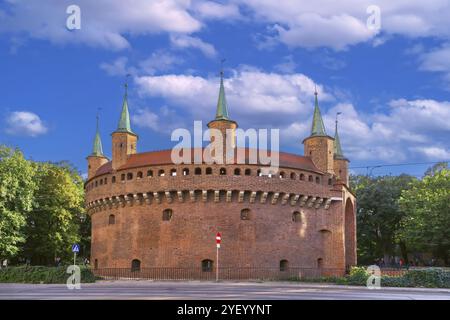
(163, 157)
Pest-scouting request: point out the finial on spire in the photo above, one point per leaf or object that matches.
(222, 109)
(221, 68)
(126, 84)
(315, 90)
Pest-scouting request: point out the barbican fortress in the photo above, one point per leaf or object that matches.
(149, 213)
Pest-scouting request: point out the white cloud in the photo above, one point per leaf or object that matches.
(406, 129)
(288, 65)
(214, 10)
(117, 68)
(104, 23)
(339, 24)
(25, 123)
(184, 41)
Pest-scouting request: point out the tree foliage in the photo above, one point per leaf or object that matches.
(41, 209)
(426, 225)
(17, 187)
(379, 215)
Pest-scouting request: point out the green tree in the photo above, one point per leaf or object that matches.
(426, 226)
(53, 224)
(379, 215)
(17, 187)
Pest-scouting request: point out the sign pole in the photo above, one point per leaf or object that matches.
(217, 259)
(218, 240)
(74, 257)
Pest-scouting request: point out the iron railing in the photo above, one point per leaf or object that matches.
(225, 273)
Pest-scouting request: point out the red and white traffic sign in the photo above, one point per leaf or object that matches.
(218, 239)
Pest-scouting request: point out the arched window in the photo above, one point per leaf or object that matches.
(302, 176)
(248, 172)
(223, 171)
(207, 265)
(198, 171)
(112, 219)
(139, 175)
(173, 172)
(135, 265)
(208, 170)
(237, 172)
(129, 176)
(167, 214)
(317, 179)
(122, 177)
(293, 176)
(296, 216)
(258, 173)
(113, 179)
(101, 182)
(149, 173)
(96, 183)
(282, 175)
(310, 178)
(245, 214)
(185, 172)
(284, 265)
(161, 173)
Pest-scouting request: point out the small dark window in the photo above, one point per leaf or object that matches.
(89, 166)
(185, 172)
(135, 265)
(198, 171)
(248, 172)
(161, 173)
(317, 180)
(296, 217)
(106, 180)
(208, 171)
(96, 183)
(284, 265)
(245, 214)
(129, 176)
(113, 179)
(282, 175)
(96, 264)
(122, 177)
(293, 176)
(139, 175)
(302, 176)
(101, 182)
(167, 214)
(258, 173)
(207, 265)
(310, 178)
(320, 263)
(223, 171)
(173, 172)
(237, 172)
(149, 173)
(330, 181)
(112, 219)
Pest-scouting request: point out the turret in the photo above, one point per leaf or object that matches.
(124, 141)
(319, 146)
(96, 159)
(222, 123)
(340, 161)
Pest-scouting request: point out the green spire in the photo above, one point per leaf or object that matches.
(338, 154)
(317, 129)
(124, 122)
(222, 110)
(97, 150)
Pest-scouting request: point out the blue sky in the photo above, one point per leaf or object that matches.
(391, 84)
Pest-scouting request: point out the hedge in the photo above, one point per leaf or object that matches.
(41, 274)
(427, 278)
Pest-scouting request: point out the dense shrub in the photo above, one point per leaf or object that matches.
(39, 274)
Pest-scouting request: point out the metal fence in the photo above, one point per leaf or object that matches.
(226, 273)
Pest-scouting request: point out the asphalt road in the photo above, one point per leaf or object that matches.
(210, 290)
